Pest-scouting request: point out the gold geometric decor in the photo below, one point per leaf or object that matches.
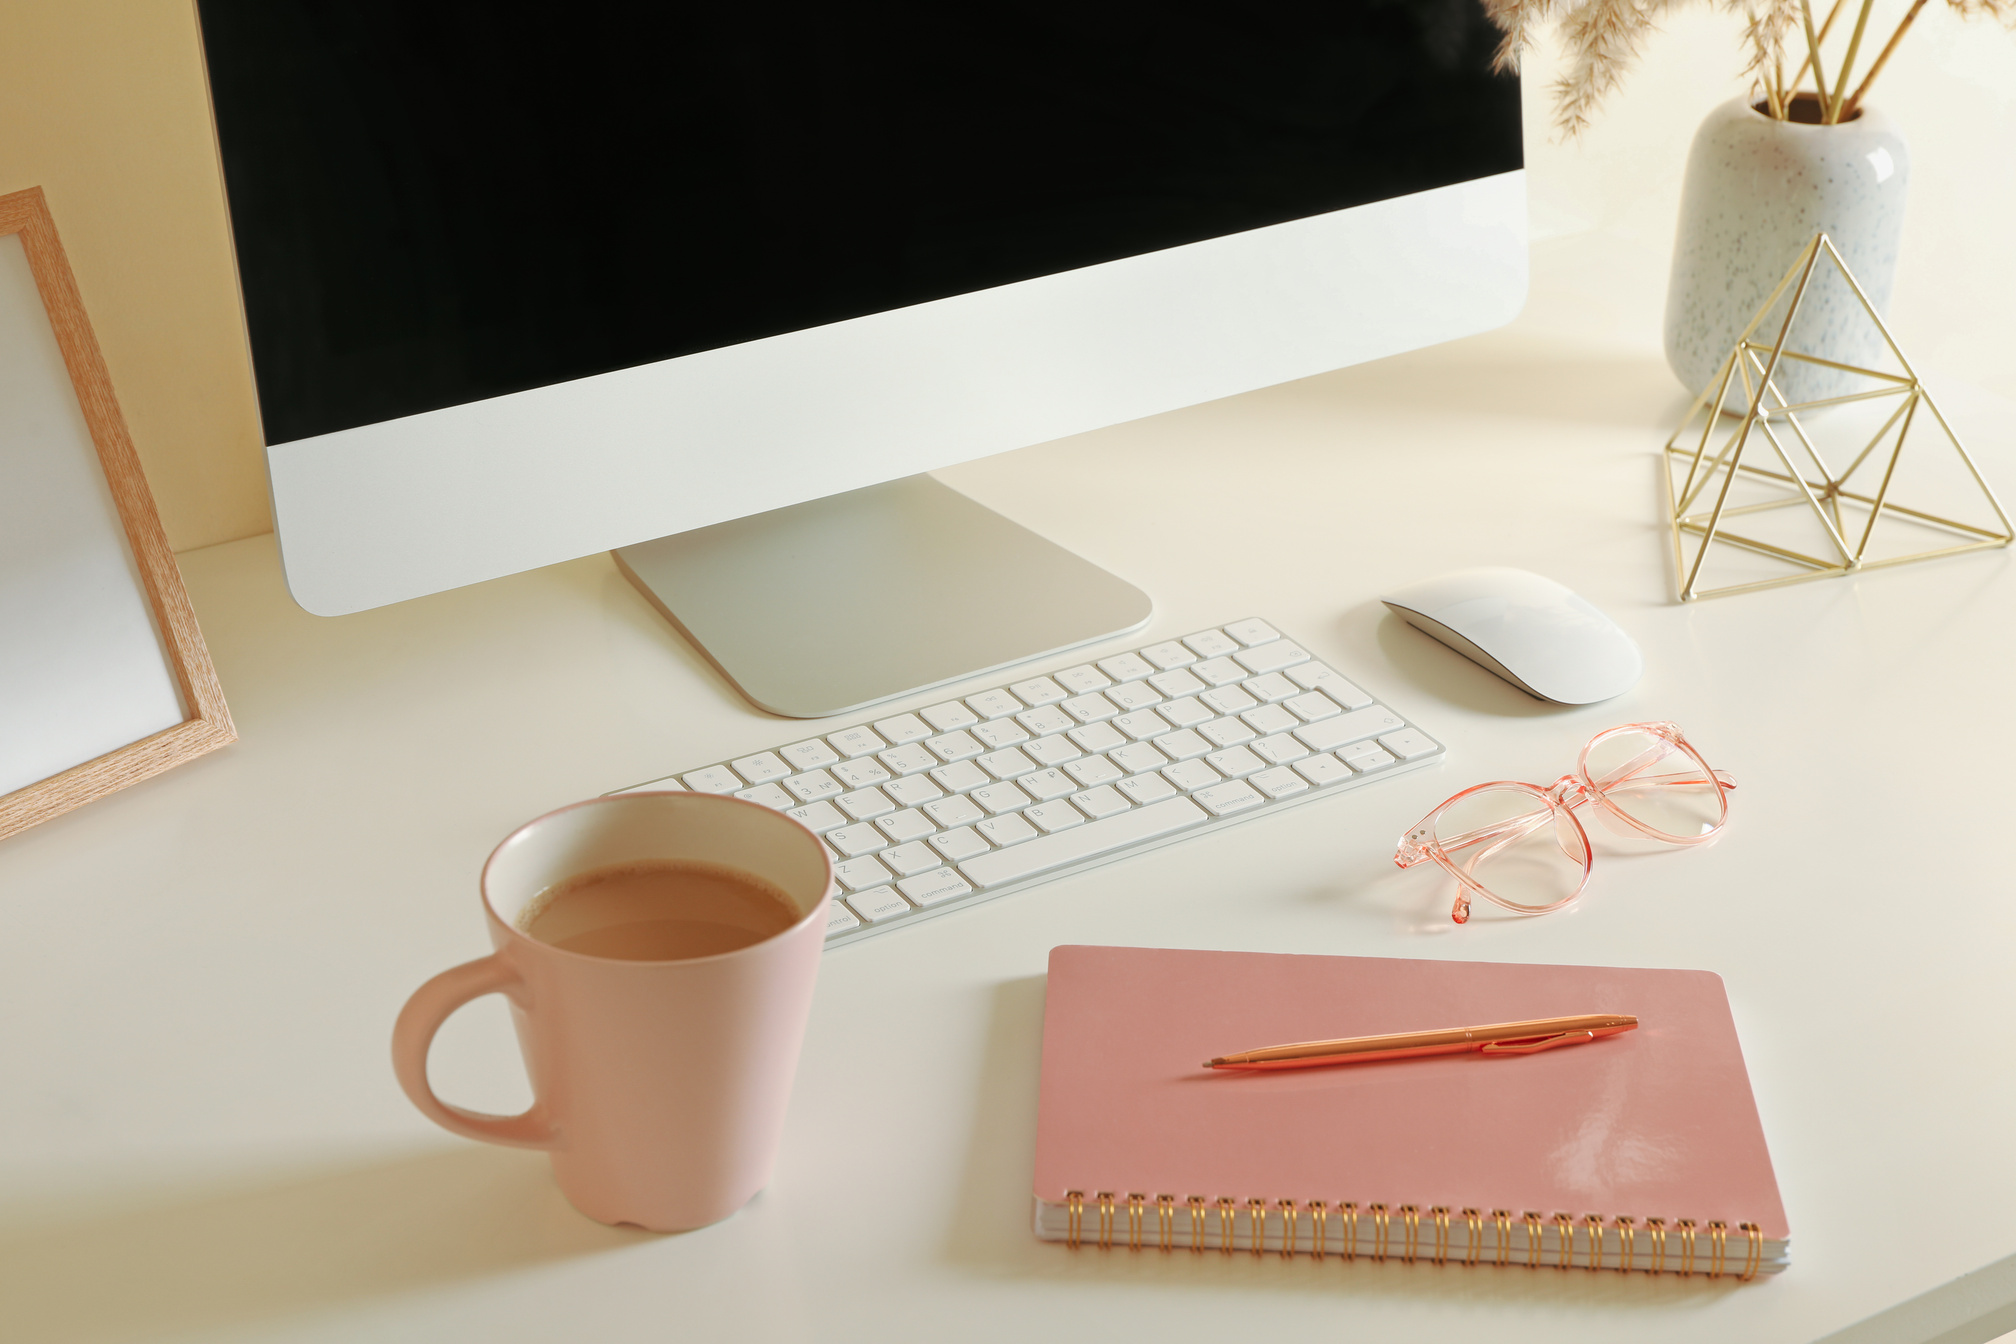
(1775, 474)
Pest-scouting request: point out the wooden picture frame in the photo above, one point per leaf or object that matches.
(87, 581)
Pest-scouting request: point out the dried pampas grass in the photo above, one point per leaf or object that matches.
(1602, 40)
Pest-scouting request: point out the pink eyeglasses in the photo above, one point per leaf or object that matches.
(1645, 775)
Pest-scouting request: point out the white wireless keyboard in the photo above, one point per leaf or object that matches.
(976, 797)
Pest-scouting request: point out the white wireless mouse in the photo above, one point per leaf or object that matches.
(1541, 637)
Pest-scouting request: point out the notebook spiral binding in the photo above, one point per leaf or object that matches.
(1398, 1234)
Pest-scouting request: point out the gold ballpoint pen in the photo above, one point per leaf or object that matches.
(1502, 1038)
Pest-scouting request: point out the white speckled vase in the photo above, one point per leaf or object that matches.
(1757, 190)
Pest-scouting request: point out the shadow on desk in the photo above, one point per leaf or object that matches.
(290, 1247)
(990, 1232)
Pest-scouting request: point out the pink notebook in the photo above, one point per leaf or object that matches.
(1640, 1151)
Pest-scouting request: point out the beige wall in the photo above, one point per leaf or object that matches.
(102, 103)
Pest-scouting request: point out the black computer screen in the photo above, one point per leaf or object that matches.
(438, 201)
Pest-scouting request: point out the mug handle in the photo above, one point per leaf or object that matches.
(413, 1036)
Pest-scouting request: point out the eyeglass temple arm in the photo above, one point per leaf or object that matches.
(1519, 827)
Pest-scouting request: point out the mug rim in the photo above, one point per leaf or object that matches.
(519, 936)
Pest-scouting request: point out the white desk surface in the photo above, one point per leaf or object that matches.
(202, 1138)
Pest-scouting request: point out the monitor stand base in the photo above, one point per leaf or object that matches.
(829, 606)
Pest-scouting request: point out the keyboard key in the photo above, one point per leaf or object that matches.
(999, 798)
(861, 874)
(1082, 678)
(1093, 770)
(949, 716)
(993, 704)
(907, 759)
(1053, 750)
(1184, 712)
(1210, 643)
(1098, 737)
(1048, 784)
(1366, 757)
(960, 776)
(1182, 746)
(1228, 699)
(1143, 724)
(761, 768)
(858, 839)
(1220, 672)
(1316, 677)
(961, 842)
(1133, 695)
(1054, 817)
(1279, 782)
(1236, 763)
(770, 796)
(1311, 706)
(818, 818)
(1039, 691)
(1006, 829)
(855, 741)
(839, 919)
(714, 779)
(1227, 732)
(865, 804)
(912, 790)
(954, 812)
(902, 730)
(1006, 764)
(1250, 633)
(905, 826)
(809, 755)
(1408, 745)
(1146, 789)
(1171, 654)
(910, 859)
(860, 774)
(1045, 720)
(1270, 688)
(878, 903)
(1091, 708)
(1179, 682)
(1362, 723)
(1322, 769)
(1000, 732)
(932, 888)
(1136, 757)
(1083, 842)
(1235, 796)
(1126, 667)
(957, 746)
(1269, 719)
(1191, 775)
(1104, 801)
(1280, 749)
(813, 785)
(1273, 657)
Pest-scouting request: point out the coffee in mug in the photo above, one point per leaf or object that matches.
(658, 910)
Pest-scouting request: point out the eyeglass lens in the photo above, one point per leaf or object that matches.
(1661, 785)
(1526, 853)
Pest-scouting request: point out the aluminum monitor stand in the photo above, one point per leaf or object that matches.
(838, 603)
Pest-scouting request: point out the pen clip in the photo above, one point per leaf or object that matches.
(1534, 1044)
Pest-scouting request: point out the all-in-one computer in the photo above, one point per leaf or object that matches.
(714, 286)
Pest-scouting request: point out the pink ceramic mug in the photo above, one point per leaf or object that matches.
(659, 1086)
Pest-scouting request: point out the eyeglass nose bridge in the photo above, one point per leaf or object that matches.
(1569, 791)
